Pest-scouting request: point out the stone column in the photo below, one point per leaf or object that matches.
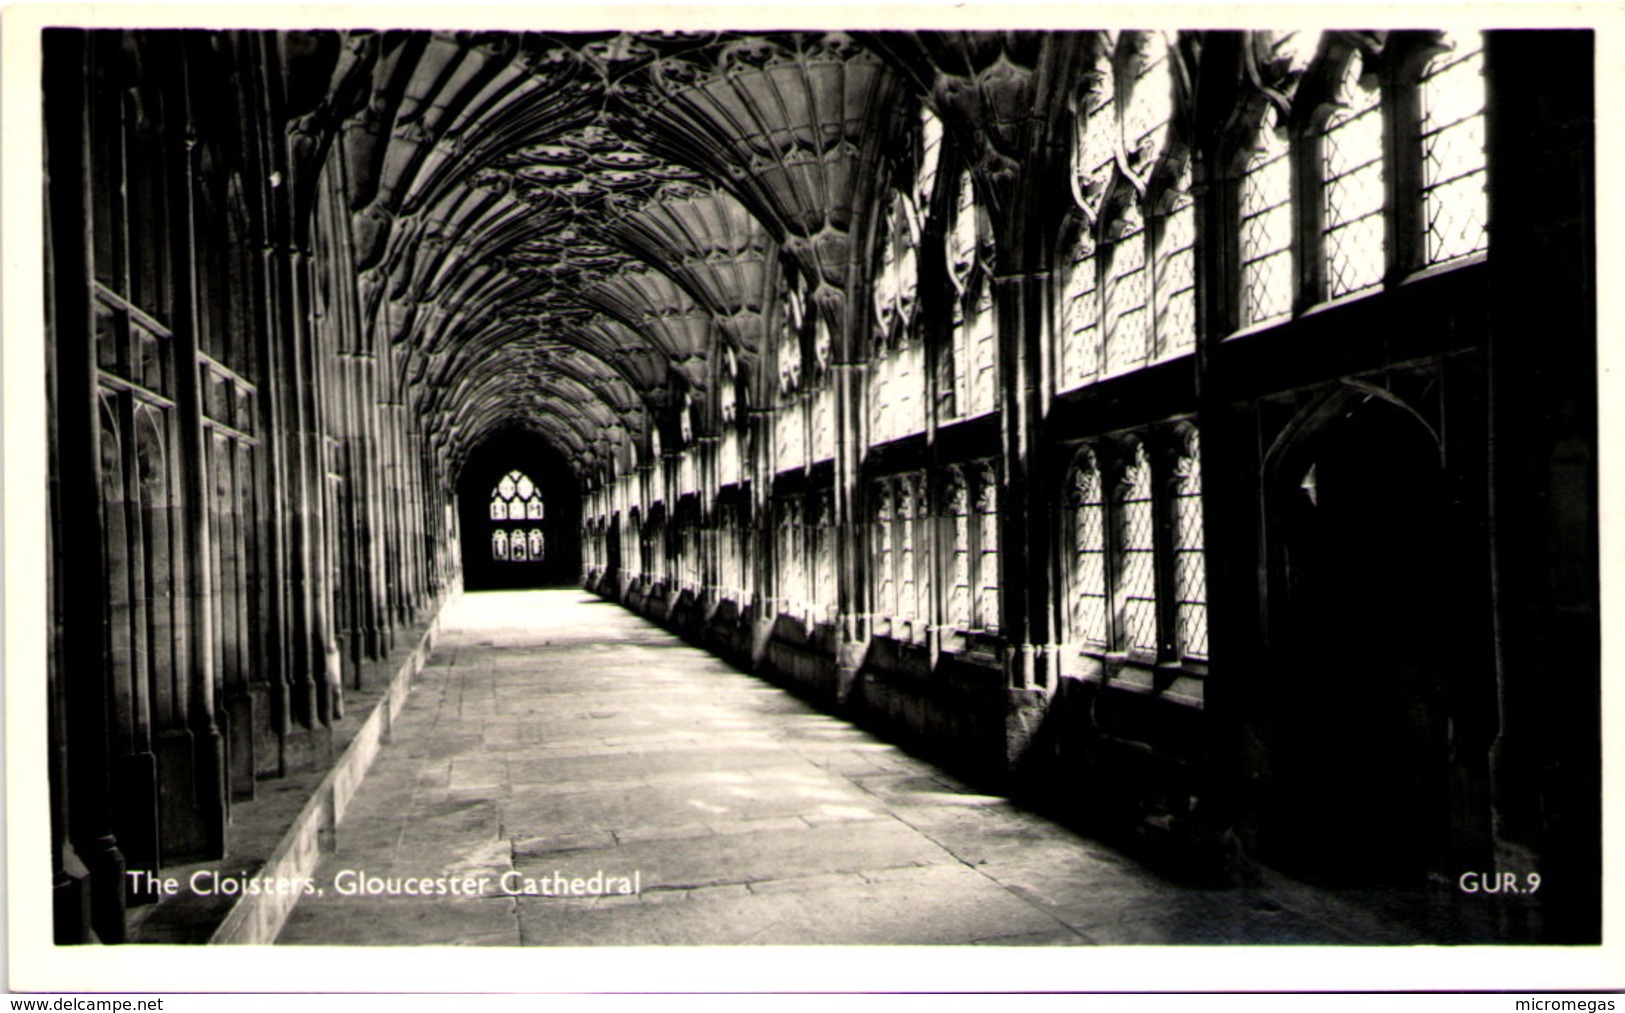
(207, 763)
(91, 899)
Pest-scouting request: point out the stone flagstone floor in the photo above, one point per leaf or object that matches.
(554, 736)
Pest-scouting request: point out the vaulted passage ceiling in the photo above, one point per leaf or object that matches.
(574, 234)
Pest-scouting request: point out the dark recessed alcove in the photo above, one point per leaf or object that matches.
(556, 488)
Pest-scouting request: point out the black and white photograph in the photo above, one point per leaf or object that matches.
(745, 480)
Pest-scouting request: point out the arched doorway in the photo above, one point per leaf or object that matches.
(1362, 626)
(519, 508)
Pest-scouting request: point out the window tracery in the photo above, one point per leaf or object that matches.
(1394, 175)
(789, 420)
(900, 578)
(516, 499)
(973, 359)
(1136, 568)
(970, 508)
(897, 392)
(1129, 285)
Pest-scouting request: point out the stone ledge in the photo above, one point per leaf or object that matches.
(257, 920)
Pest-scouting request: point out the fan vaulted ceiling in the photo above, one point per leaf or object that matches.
(567, 232)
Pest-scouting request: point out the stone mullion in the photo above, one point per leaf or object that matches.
(352, 545)
(1025, 578)
(353, 368)
(305, 658)
(394, 474)
(710, 453)
(405, 519)
(271, 464)
(435, 517)
(412, 493)
(316, 393)
(1226, 443)
(428, 536)
(363, 442)
(363, 494)
(668, 469)
(400, 477)
(411, 479)
(382, 619)
(851, 596)
(388, 453)
(416, 517)
(764, 551)
(200, 754)
(334, 335)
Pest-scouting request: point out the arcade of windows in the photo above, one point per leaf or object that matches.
(1365, 166)
(1137, 586)
(516, 510)
(1321, 213)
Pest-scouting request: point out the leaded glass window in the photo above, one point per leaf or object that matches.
(516, 498)
(1266, 227)
(982, 345)
(790, 437)
(1190, 568)
(974, 349)
(789, 340)
(1128, 290)
(899, 578)
(908, 608)
(1176, 272)
(987, 546)
(824, 554)
(1080, 328)
(885, 592)
(728, 465)
(924, 607)
(897, 393)
(1098, 136)
(1353, 187)
(823, 423)
(792, 561)
(1137, 583)
(1454, 206)
(1151, 106)
(1089, 602)
(959, 590)
(925, 184)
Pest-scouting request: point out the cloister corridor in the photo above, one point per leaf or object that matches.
(554, 736)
